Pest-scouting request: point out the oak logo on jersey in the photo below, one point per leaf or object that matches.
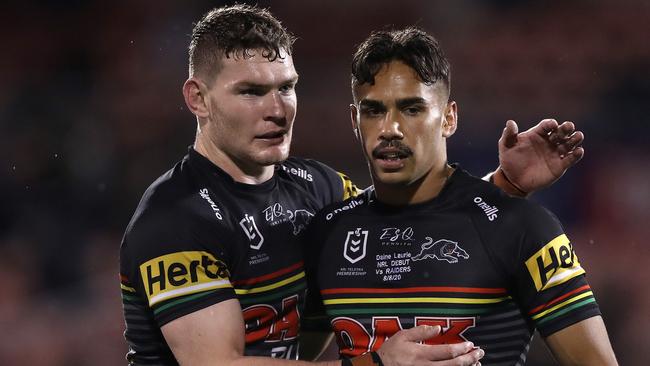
(554, 264)
(354, 339)
(182, 273)
(354, 249)
(442, 250)
(264, 323)
(252, 232)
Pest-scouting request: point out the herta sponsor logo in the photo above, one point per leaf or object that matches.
(352, 204)
(357, 340)
(490, 211)
(252, 232)
(206, 196)
(354, 248)
(442, 250)
(182, 273)
(302, 173)
(554, 264)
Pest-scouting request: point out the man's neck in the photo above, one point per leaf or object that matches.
(422, 190)
(238, 170)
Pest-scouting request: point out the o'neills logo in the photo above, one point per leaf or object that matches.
(206, 196)
(349, 206)
(302, 173)
(490, 211)
(182, 273)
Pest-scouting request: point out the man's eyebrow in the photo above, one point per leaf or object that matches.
(251, 84)
(401, 103)
(370, 103)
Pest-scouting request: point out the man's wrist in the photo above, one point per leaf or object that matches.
(501, 180)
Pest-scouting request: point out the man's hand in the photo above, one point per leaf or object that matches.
(403, 349)
(536, 158)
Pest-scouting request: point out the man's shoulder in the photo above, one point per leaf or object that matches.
(341, 210)
(318, 179)
(491, 206)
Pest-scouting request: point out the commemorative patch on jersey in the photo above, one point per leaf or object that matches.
(182, 273)
(554, 264)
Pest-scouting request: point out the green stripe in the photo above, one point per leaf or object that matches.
(181, 300)
(566, 310)
(255, 298)
(441, 311)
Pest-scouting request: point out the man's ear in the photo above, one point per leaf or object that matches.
(195, 94)
(450, 122)
(354, 118)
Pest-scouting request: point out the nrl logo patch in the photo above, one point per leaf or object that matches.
(252, 232)
(442, 250)
(354, 249)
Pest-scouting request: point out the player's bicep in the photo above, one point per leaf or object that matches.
(212, 335)
(583, 343)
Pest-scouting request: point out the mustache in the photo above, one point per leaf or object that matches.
(401, 148)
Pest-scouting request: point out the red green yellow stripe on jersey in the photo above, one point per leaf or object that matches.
(567, 303)
(128, 292)
(413, 300)
(272, 286)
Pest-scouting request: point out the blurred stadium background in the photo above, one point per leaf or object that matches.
(91, 112)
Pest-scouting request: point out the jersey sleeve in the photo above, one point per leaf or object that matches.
(169, 265)
(548, 280)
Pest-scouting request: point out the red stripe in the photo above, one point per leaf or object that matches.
(269, 276)
(554, 301)
(412, 289)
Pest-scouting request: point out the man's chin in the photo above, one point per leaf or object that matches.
(273, 157)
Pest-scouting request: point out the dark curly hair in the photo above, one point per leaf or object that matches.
(236, 31)
(412, 46)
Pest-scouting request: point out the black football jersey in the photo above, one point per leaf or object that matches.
(198, 237)
(486, 267)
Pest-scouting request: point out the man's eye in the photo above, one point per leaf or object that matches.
(413, 110)
(287, 88)
(252, 91)
(371, 112)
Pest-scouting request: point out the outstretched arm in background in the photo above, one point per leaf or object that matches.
(536, 158)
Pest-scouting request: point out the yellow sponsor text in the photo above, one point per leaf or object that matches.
(554, 264)
(182, 273)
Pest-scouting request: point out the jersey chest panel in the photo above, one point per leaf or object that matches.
(266, 266)
(382, 274)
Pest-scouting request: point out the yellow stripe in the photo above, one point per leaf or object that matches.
(271, 286)
(563, 304)
(388, 300)
(126, 288)
(183, 291)
(349, 189)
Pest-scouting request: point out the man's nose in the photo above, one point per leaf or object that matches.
(275, 108)
(391, 127)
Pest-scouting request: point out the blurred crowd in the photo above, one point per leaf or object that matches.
(91, 112)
